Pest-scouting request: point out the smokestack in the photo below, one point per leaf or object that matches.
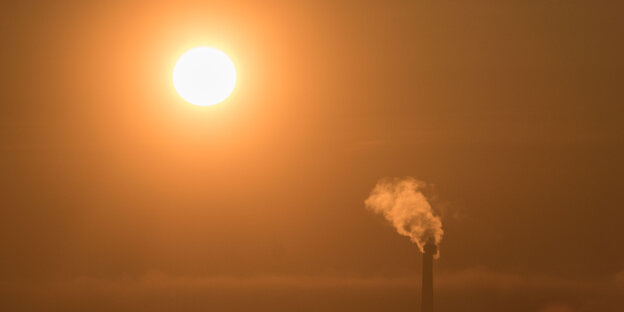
(402, 202)
(430, 250)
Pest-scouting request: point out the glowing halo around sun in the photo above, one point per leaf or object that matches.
(204, 76)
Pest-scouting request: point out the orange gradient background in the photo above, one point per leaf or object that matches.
(118, 195)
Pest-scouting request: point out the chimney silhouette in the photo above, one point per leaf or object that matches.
(430, 250)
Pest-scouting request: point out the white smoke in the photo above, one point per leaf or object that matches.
(402, 202)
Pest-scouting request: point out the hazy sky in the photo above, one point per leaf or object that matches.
(118, 195)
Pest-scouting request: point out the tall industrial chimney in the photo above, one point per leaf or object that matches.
(430, 250)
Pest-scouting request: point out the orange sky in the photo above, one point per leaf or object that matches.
(118, 195)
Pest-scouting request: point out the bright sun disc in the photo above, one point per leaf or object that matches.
(204, 76)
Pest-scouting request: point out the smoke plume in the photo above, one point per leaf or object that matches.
(402, 202)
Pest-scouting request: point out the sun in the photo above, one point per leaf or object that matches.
(204, 76)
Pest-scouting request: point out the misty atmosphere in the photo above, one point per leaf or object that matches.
(336, 156)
